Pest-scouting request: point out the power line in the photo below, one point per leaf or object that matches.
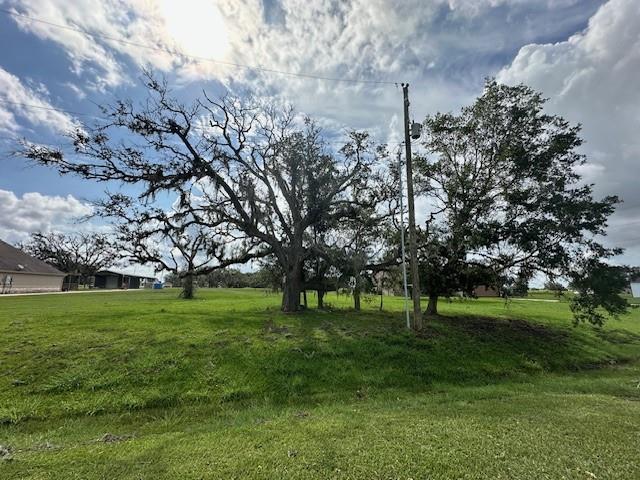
(42, 107)
(194, 57)
(83, 114)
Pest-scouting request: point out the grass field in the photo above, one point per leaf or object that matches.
(133, 385)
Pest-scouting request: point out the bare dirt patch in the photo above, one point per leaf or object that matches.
(111, 438)
(271, 327)
(6, 453)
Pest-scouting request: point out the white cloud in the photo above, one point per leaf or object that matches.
(80, 48)
(379, 39)
(15, 97)
(34, 212)
(441, 47)
(78, 92)
(438, 46)
(118, 28)
(592, 79)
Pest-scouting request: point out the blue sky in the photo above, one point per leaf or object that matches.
(582, 54)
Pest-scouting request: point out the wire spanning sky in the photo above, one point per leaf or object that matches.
(335, 60)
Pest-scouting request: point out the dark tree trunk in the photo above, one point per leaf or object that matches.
(381, 299)
(356, 299)
(320, 299)
(432, 306)
(187, 286)
(304, 297)
(292, 289)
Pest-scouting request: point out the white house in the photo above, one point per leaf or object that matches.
(635, 287)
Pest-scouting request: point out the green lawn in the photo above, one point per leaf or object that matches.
(143, 385)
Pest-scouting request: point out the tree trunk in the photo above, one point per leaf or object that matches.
(304, 297)
(356, 299)
(432, 306)
(320, 299)
(381, 299)
(187, 286)
(292, 289)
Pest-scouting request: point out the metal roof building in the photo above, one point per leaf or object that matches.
(109, 279)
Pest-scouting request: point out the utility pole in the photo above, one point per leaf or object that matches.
(413, 247)
(404, 255)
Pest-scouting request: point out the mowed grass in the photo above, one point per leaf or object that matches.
(145, 385)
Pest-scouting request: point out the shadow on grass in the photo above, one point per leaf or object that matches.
(343, 356)
(268, 358)
(618, 336)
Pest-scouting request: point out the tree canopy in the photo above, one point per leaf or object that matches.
(260, 177)
(254, 181)
(81, 254)
(507, 201)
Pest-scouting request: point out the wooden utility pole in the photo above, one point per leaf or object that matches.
(402, 249)
(413, 247)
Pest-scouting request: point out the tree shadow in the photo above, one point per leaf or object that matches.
(618, 336)
(339, 357)
(265, 357)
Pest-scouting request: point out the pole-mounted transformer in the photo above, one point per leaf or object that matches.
(416, 130)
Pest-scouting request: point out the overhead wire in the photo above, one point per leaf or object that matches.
(175, 53)
(84, 114)
(195, 57)
(44, 107)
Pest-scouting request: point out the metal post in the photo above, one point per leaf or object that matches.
(404, 255)
(413, 248)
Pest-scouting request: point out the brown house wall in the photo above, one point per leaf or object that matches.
(483, 291)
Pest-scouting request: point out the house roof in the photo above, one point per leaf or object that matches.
(15, 260)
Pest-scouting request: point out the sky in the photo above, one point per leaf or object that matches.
(62, 59)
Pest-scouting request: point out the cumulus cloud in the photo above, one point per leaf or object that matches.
(98, 36)
(15, 98)
(34, 212)
(447, 41)
(591, 79)
(77, 91)
(443, 48)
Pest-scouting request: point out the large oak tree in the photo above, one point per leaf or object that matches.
(258, 170)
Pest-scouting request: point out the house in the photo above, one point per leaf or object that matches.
(635, 287)
(111, 280)
(386, 283)
(485, 291)
(22, 273)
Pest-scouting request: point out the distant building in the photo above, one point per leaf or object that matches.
(111, 280)
(384, 281)
(484, 291)
(635, 287)
(22, 273)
